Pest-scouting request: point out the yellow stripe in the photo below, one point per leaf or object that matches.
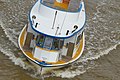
(79, 49)
(22, 38)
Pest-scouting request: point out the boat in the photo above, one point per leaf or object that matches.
(54, 35)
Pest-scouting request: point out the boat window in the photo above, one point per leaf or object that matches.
(37, 39)
(57, 44)
(48, 43)
(33, 37)
(61, 43)
(60, 4)
(40, 40)
(78, 39)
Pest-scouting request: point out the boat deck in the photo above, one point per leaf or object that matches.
(29, 54)
(61, 24)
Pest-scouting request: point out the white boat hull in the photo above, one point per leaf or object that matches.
(46, 69)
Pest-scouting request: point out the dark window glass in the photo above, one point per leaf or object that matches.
(66, 45)
(61, 43)
(78, 39)
(33, 37)
(40, 40)
(57, 44)
(48, 43)
(37, 39)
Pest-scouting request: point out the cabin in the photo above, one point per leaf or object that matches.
(54, 30)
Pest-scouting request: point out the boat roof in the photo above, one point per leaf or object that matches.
(56, 23)
(73, 6)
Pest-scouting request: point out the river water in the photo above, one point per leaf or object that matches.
(100, 60)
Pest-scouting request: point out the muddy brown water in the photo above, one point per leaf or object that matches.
(101, 57)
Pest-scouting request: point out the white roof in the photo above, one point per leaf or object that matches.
(50, 19)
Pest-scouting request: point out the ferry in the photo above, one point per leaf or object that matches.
(54, 35)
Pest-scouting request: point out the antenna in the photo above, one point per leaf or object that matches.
(57, 29)
(54, 20)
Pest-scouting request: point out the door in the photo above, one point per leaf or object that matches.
(48, 43)
(27, 43)
(70, 49)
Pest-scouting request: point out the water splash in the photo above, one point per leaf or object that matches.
(9, 49)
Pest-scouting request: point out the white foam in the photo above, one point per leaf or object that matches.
(102, 53)
(8, 53)
(9, 35)
(14, 59)
(71, 74)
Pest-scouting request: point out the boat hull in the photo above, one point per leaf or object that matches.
(44, 69)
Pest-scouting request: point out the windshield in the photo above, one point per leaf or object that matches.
(64, 5)
(49, 43)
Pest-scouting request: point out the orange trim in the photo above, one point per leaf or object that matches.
(63, 5)
(66, 1)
